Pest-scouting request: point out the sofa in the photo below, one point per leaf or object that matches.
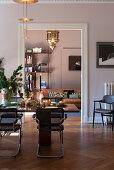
(71, 96)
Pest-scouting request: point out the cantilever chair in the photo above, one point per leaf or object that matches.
(50, 119)
(10, 122)
(107, 99)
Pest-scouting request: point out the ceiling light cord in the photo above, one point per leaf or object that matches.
(25, 19)
(26, 9)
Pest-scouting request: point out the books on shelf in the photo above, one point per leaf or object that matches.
(29, 86)
(43, 84)
(28, 59)
(28, 69)
(29, 51)
(28, 77)
(28, 82)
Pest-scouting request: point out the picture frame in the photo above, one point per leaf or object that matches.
(74, 63)
(105, 55)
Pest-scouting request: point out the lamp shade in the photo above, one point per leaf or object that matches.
(26, 1)
(25, 19)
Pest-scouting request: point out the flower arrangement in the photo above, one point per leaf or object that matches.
(12, 83)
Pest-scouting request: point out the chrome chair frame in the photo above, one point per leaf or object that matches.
(14, 127)
(51, 125)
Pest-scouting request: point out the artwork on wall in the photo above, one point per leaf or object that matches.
(105, 55)
(74, 62)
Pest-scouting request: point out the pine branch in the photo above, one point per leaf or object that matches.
(1, 59)
(16, 72)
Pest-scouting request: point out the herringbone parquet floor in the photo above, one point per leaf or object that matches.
(85, 148)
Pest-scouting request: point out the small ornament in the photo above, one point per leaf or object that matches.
(20, 74)
(18, 79)
(9, 80)
(10, 87)
(20, 85)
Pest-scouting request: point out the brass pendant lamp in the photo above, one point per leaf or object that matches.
(25, 19)
(52, 38)
(26, 1)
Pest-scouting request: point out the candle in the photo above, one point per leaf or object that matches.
(43, 103)
(40, 82)
(29, 82)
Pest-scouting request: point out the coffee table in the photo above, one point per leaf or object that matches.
(71, 108)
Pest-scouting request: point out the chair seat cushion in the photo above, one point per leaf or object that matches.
(9, 127)
(104, 111)
(7, 120)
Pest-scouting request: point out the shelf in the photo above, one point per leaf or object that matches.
(43, 53)
(37, 72)
(31, 69)
(28, 65)
(29, 72)
(28, 80)
(36, 90)
(39, 53)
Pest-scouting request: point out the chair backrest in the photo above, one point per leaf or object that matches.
(109, 99)
(8, 113)
(49, 116)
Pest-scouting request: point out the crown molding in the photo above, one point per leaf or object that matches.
(61, 1)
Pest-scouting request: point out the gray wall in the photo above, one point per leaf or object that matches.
(101, 28)
(60, 77)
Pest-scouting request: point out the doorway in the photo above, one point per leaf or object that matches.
(84, 56)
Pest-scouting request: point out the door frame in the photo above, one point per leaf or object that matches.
(84, 54)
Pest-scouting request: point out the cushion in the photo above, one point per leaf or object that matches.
(58, 94)
(75, 96)
(69, 92)
(61, 94)
(51, 94)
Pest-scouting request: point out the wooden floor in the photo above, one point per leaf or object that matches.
(85, 148)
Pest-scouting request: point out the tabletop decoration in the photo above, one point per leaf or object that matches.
(61, 104)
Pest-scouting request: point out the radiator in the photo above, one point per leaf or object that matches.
(109, 88)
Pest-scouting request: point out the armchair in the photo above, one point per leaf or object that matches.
(107, 99)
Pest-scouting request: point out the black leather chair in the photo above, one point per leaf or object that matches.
(109, 100)
(49, 119)
(10, 122)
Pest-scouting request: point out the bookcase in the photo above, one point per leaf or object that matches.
(36, 66)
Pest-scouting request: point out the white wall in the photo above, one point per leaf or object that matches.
(101, 28)
(59, 59)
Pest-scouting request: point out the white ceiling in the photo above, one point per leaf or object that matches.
(62, 1)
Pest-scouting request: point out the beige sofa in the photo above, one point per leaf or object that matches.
(76, 101)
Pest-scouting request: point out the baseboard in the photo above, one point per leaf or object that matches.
(97, 120)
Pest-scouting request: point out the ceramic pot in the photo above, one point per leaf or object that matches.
(4, 97)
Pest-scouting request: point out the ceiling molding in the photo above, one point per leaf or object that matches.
(61, 1)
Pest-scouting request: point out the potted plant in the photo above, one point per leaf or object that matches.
(10, 85)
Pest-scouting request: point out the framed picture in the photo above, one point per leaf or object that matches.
(105, 55)
(74, 63)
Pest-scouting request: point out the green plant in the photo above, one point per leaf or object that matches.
(1, 69)
(29, 104)
(1, 59)
(12, 83)
(27, 91)
(61, 105)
